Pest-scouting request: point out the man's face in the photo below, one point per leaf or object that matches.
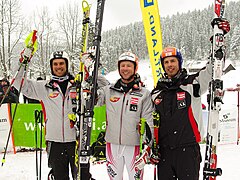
(171, 66)
(126, 70)
(59, 67)
(4, 86)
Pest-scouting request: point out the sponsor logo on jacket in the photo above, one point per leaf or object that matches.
(73, 95)
(157, 101)
(181, 102)
(134, 104)
(53, 94)
(114, 99)
(136, 94)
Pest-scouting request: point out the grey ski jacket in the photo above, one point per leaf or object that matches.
(56, 106)
(124, 111)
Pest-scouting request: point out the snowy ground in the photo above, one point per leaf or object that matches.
(22, 166)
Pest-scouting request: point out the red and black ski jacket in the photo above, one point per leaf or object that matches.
(178, 102)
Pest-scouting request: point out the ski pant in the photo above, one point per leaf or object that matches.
(60, 155)
(118, 156)
(182, 163)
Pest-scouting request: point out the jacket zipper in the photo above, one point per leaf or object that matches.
(63, 98)
(63, 105)
(120, 133)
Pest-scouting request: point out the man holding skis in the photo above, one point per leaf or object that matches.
(58, 96)
(177, 99)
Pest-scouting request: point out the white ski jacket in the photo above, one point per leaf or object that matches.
(124, 111)
(56, 106)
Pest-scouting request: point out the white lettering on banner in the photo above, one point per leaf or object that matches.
(101, 127)
(31, 126)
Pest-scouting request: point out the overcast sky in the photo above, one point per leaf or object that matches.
(123, 12)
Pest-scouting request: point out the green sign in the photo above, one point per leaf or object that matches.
(99, 122)
(26, 131)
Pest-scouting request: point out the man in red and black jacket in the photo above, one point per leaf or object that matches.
(177, 99)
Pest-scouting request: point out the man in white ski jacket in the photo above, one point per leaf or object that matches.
(127, 101)
(58, 97)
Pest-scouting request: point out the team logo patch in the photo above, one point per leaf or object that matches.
(157, 101)
(114, 99)
(181, 102)
(181, 96)
(73, 95)
(134, 100)
(133, 104)
(53, 94)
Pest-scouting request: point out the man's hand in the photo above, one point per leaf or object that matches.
(222, 24)
(26, 55)
(143, 159)
(155, 158)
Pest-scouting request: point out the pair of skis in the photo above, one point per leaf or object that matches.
(86, 83)
(210, 170)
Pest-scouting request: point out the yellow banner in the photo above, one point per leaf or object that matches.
(152, 27)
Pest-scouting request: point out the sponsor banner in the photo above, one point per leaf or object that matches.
(99, 122)
(228, 126)
(152, 27)
(25, 128)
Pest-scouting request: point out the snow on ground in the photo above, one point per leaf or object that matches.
(22, 166)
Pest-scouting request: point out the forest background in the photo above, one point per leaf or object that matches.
(190, 32)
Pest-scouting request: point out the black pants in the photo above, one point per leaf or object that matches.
(181, 163)
(60, 156)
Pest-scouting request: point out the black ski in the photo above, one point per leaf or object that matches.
(89, 89)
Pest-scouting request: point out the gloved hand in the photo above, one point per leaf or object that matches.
(155, 156)
(86, 58)
(222, 23)
(26, 55)
(143, 159)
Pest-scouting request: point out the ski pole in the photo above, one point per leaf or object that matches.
(30, 44)
(142, 130)
(40, 164)
(14, 113)
(36, 141)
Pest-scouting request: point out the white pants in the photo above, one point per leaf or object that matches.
(118, 156)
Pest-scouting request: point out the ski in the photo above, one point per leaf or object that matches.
(89, 87)
(86, 86)
(155, 148)
(210, 170)
(79, 78)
